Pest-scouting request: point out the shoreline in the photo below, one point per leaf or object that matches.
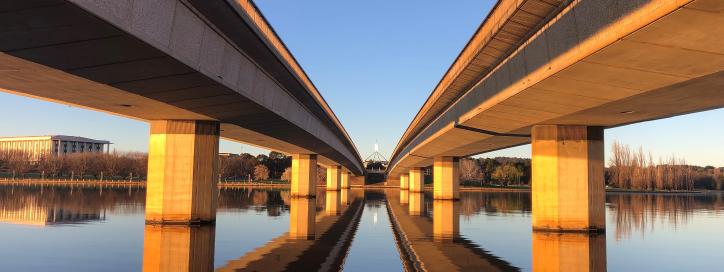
(287, 185)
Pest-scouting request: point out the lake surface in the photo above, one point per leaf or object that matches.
(102, 229)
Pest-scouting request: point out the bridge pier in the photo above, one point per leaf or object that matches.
(404, 182)
(416, 182)
(567, 178)
(302, 215)
(446, 178)
(569, 251)
(445, 219)
(344, 179)
(334, 177)
(182, 167)
(304, 175)
(178, 248)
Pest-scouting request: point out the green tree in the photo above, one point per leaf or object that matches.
(507, 173)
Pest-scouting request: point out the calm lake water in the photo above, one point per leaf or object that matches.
(102, 229)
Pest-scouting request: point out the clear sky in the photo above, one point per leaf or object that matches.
(375, 62)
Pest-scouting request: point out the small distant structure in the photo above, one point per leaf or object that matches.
(52, 145)
(376, 163)
(228, 155)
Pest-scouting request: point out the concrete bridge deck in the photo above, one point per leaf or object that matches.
(594, 63)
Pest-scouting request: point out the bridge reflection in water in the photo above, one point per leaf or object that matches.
(315, 242)
(178, 248)
(431, 241)
(435, 245)
(427, 233)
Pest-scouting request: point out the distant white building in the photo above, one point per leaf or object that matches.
(53, 145)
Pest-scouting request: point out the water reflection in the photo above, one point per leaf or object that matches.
(428, 235)
(333, 202)
(639, 213)
(499, 203)
(53, 205)
(445, 220)
(416, 205)
(569, 251)
(325, 237)
(272, 200)
(302, 213)
(178, 248)
(434, 244)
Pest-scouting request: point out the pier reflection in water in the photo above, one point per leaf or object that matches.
(102, 228)
(569, 251)
(434, 244)
(315, 242)
(178, 248)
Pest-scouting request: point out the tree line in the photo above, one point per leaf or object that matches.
(628, 169)
(76, 166)
(635, 169)
(132, 166)
(247, 167)
(500, 171)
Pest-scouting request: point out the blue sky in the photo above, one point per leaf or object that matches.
(375, 62)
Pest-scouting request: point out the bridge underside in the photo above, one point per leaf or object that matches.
(653, 60)
(197, 70)
(58, 51)
(595, 64)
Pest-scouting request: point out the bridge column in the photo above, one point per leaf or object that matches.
(446, 177)
(302, 215)
(569, 251)
(404, 182)
(304, 175)
(344, 179)
(416, 182)
(568, 188)
(445, 219)
(182, 167)
(334, 177)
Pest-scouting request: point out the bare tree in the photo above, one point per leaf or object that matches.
(19, 163)
(470, 170)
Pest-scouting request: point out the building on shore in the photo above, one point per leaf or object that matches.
(53, 145)
(228, 155)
